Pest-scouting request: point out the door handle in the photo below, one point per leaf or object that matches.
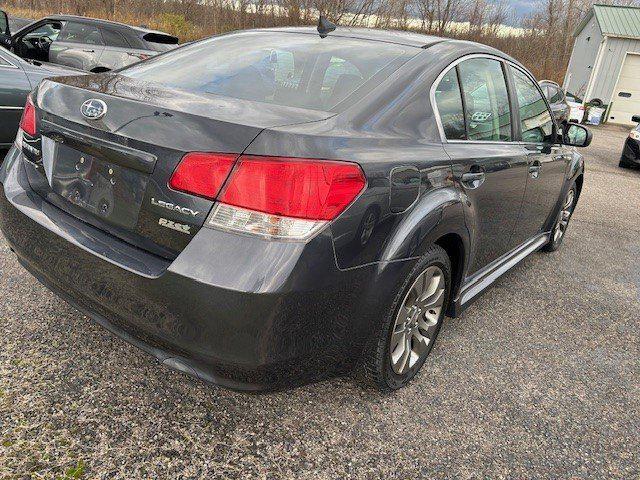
(88, 51)
(534, 169)
(473, 179)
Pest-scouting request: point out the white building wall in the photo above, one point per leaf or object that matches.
(609, 67)
(583, 59)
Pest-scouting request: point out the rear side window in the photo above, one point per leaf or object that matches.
(81, 33)
(295, 70)
(486, 99)
(114, 39)
(535, 118)
(449, 102)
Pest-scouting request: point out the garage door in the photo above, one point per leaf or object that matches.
(626, 96)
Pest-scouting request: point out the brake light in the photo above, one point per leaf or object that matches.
(28, 120)
(286, 197)
(202, 173)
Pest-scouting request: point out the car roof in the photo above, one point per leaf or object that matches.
(100, 21)
(387, 36)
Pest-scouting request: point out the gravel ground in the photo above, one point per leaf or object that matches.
(540, 378)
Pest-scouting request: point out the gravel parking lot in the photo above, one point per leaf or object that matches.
(540, 378)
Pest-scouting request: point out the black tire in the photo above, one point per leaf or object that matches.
(376, 369)
(556, 241)
(624, 164)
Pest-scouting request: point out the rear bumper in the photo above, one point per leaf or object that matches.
(233, 310)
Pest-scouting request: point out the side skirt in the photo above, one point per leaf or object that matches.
(479, 282)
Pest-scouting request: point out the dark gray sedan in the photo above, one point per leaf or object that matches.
(271, 207)
(17, 78)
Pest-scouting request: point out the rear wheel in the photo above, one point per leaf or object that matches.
(410, 329)
(562, 222)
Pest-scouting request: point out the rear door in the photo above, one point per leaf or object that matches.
(488, 162)
(118, 51)
(547, 160)
(79, 45)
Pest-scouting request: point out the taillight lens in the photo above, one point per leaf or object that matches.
(286, 197)
(202, 174)
(28, 120)
(313, 190)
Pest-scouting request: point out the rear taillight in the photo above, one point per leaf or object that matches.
(28, 120)
(202, 174)
(286, 197)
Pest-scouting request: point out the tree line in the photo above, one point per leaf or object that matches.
(542, 41)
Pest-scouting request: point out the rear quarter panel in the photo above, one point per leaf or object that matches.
(392, 127)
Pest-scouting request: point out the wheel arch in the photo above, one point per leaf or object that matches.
(579, 183)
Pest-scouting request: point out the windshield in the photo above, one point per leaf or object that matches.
(295, 70)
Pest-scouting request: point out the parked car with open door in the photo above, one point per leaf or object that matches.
(86, 44)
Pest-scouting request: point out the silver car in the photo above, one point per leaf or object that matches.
(88, 44)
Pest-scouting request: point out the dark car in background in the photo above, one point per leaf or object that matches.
(213, 205)
(17, 78)
(87, 44)
(557, 101)
(631, 151)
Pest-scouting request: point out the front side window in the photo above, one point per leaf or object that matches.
(81, 33)
(449, 101)
(535, 119)
(294, 70)
(50, 31)
(486, 99)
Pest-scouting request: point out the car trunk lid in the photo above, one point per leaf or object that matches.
(113, 171)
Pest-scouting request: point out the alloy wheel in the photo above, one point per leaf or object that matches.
(417, 320)
(565, 215)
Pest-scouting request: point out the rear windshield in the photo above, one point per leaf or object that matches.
(295, 70)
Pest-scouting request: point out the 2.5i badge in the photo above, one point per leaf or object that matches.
(180, 227)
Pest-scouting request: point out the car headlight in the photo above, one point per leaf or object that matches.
(635, 135)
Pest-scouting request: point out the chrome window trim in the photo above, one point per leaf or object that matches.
(436, 111)
(2, 107)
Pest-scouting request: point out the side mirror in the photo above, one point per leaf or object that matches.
(635, 118)
(577, 136)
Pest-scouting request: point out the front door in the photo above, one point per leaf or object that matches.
(35, 43)
(488, 162)
(547, 159)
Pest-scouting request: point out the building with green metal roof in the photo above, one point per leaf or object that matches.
(605, 62)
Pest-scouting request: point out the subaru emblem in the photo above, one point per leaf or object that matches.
(93, 109)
